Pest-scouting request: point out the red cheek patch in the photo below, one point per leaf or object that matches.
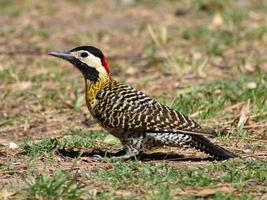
(106, 64)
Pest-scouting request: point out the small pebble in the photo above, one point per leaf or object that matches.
(12, 145)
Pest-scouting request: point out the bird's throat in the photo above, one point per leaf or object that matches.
(93, 88)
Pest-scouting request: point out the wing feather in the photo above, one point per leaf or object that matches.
(125, 107)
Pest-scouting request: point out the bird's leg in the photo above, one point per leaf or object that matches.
(127, 152)
(133, 147)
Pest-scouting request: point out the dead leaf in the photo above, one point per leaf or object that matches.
(256, 16)
(217, 20)
(24, 85)
(211, 191)
(247, 151)
(205, 192)
(251, 85)
(263, 67)
(249, 68)
(4, 194)
(123, 193)
(196, 55)
(264, 196)
(243, 117)
(131, 71)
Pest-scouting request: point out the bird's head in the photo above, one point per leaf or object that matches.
(88, 59)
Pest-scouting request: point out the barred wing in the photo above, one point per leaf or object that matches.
(126, 108)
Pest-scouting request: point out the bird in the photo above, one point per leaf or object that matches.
(137, 120)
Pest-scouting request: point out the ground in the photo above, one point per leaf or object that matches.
(204, 58)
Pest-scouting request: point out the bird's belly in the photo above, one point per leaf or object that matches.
(116, 132)
(170, 139)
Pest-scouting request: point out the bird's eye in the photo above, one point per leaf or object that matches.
(84, 54)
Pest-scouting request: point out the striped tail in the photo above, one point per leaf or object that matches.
(203, 144)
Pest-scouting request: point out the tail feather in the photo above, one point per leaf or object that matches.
(205, 145)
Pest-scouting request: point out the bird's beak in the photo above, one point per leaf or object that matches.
(87, 71)
(64, 55)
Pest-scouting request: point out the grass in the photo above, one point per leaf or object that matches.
(203, 58)
(212, 99)
(217, 41)
(8, 8)
(72, 139)
(152, 181)
(59, 185)
(161, 181)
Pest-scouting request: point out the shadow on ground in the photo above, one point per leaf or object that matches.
(143, 157)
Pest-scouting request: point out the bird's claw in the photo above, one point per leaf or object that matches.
(96, 158)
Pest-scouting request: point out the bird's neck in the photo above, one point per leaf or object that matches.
(94, 87)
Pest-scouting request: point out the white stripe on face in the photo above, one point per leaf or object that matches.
(91, 60)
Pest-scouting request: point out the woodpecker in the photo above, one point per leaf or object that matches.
(137, 120)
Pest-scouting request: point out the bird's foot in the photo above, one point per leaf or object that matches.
(97, 158)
